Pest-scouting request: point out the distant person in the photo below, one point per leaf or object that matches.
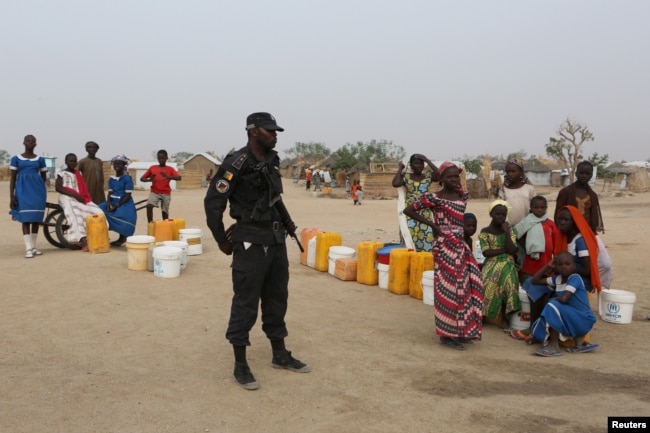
(415, 184)
(206, 180)
(458, 291)
(160, 177)
(499, 270)
(317, 178)
(354, 190)
(327, 177)
(75, 200)
(308, 172)
(583, 197)
(92, 169)
(28, 193)
(348, 186)
(119, 208)
(567, 313)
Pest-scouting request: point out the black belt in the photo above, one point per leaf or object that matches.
(262, 225)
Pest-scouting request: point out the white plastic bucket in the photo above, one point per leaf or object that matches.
(521, 319)
(616, 306)
(167, 261)
(338, 252)
(383, 275)
(311, 252)
(193, 238)
(184, 248)
(427, 287)
(137, 248)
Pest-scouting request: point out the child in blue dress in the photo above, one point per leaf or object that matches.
(567, 313)
(28, 193)
(120, 208)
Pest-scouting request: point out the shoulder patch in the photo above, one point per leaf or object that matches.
(228, 175)
(237, 163)
(222, 186)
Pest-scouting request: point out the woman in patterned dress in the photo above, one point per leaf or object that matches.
(417, 183)
(458, 291)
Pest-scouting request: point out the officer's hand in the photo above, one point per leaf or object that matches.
(226, 247)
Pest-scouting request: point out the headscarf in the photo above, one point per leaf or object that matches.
(562, 242)
(441, 171)
(470, 216)
(500, 202)
(122, 158)
(519, 163)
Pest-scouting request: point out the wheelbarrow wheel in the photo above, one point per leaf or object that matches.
(49, 228)
(62, 227)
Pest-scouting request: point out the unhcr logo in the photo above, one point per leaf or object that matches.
(613, 308)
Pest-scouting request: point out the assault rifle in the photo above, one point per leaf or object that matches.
(275, 200)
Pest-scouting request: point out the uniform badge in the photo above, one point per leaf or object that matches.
(222, 186)
(228, 175)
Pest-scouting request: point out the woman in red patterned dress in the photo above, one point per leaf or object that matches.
(458, 291)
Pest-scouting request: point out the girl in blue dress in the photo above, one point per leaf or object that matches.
(120, 208)
(567, 313)
(28, 193)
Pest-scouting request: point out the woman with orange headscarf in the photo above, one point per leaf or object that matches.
(576, 237)
(458, 291)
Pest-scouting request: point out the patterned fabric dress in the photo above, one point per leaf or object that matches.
(31, 193)
(458, 291)
(500, 278)
(421, 233)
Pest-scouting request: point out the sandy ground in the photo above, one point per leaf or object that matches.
(90, 346)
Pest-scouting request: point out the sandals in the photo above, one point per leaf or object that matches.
(542, 351)
(583, 349)
(452, 344)
(518, 334)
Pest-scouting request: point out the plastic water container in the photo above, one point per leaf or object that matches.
(382, 270)
(427, 287)
(179, 223)
(184, 247)
(338, 252)
(311, 252)
(193, 237)
(97, 234)
(478, 253)
(323, 243)
(163, 230)
(167, 262)
(521, 319)
(398, 271)
(137, 249)
(305, 235)
(383, 254)
(346, 269)
(366, 262)
(616, 306)
(420, 261)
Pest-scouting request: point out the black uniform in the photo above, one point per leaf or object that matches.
(260, 267)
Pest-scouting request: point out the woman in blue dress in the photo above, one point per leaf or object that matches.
(120, 208)
(28, 193)
(416, 184)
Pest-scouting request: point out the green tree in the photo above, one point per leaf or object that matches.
(567, 146)
(311, 151)
(599, 162)
(181, 157)
(5, 157)
(360, 155)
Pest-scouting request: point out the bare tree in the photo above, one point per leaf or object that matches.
(567, 146)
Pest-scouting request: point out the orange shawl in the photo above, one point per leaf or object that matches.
(561, 243)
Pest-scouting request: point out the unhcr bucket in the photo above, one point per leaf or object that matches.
(137, 249)
(167, 261)
(616, 306)
(184, 249)
(193, 238)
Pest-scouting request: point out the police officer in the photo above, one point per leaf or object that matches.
(249, 179)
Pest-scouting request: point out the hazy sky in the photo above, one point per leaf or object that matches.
(443, 78)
